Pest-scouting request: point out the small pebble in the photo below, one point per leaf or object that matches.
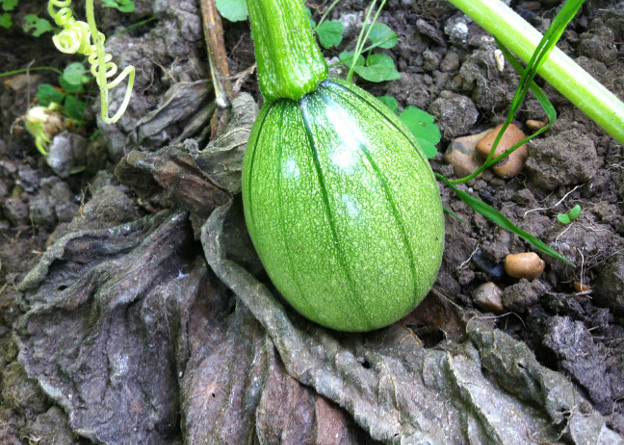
(15, 211)
(534, 125)
(457, 29)
(581, 287)
(530, 5)
(512, 164)
(488, 297)
(20, 81)
(7, 168)
(523, 294)
(66, 152)
(524, 265)
(462, 154)
(450, 62)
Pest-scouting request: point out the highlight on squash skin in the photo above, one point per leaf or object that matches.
(343, 208)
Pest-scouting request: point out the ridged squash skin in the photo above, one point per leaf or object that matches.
(342, 208)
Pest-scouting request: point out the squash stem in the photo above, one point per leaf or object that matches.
(290, 62)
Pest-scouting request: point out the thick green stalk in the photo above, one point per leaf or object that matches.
(589, 95)
(290, 62)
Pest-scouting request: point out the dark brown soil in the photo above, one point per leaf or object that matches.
(571, 318)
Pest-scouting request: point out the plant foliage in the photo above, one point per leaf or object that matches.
(233, 10)
(35, 25)
(122, 5)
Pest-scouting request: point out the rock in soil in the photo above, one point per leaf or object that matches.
(67, 151)
(462, 154)
(16, 211)
(488, 297)
(518, 297)
(566, 158)
(54, 203)
(524, 265)
(455, 114)
(513, 163)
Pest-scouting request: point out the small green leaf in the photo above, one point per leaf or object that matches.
(126, 6)
(379, 68)
(563, 218)
(68, 86)
(8, 5)
(122, 5)
(74, 73)
(575, 212)
(46, 93)
(5, 20)
(500, 219)
(390, 102)
(346, 57)
(233, 10)
(36, 24)
(75, 107)
(420, 123)
(382, 36)
(330, 33)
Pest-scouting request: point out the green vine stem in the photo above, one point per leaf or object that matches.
(589, 95)
(78, 37)
(34, 68)
(327, 11)
(364, 33)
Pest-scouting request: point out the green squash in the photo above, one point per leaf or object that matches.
(342, 207)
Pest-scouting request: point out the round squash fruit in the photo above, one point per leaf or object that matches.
(342, 207)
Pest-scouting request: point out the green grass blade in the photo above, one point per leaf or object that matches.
(500, 219)
(327, 11)
(543, 50)
(454, 215)
(32, 68)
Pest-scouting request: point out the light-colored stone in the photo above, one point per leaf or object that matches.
(488, 297)
(66, 152)
(463, 164)
(581, 287)
(512, 164)
(535, 125)
(20, 81)
(524, 265)
(462, 154)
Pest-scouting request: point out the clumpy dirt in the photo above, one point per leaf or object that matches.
(114, 330)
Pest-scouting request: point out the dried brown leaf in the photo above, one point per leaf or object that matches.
(401, 393)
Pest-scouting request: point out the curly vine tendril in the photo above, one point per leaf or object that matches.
(78, 37)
